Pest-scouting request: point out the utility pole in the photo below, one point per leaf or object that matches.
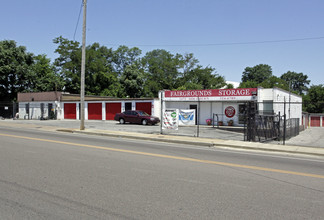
(83, 63)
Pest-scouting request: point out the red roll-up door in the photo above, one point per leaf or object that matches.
(69, 110)
(315, 121)
(144, 106)
(112, 109)
(94, 111)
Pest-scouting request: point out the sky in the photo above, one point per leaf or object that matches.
(228, 35)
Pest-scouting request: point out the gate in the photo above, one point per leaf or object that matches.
(8, 109)
(266, 126)
(260, 127)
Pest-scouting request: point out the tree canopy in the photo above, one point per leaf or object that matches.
(314, 100)
(125, 72)
(298, 81)
(15, 70)
(258, 73)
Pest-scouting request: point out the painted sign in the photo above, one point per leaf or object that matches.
(230, 111)
(170, 119)
(187, 117)
(211, 94)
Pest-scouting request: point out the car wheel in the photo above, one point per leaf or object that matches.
(144, 122)
(121, 121)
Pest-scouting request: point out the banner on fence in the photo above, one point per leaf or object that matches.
(170, 119)
(187, 117)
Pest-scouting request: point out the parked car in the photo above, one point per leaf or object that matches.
(138, 117)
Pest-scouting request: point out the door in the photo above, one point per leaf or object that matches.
(194, 107)
(94, 111)
(128, 106)
(69, 110)
(315, 121)
(112, 109)
(242, 113)
(145, 107)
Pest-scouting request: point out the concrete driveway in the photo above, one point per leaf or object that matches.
(311, 137)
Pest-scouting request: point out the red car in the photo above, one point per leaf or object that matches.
(138, 117)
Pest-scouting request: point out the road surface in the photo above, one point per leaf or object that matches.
(54, 175)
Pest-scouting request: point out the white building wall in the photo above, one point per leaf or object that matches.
(59, 110)
(34, 110)
(156, 108)
(279, 97)
(207, 109)
(205, 112)
(235, 117)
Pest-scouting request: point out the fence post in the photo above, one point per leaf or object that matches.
(284, 127)
(279, 122)
(198, 117)
(161, 102)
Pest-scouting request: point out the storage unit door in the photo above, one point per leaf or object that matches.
(112, 109)
(94, 111)
(315, 121)
(144, 106)
(69, 110)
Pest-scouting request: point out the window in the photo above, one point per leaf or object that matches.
(267, 107)
(128, 112)
(242, 113)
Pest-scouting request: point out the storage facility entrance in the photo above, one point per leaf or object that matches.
(112, 109)
(94, 111)
(69, 110)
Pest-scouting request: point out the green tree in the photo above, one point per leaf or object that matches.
(132, 81)
(161, 69)
(43, 76)
(15, 66)
(194, 76)
(100, 77)
(314, 99)
(229, 86)
(298, 81)
(249, 84)
(68, 64)
(274, 81)
(258, 73)
(124, 56)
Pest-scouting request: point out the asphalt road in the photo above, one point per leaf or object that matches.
(49, 175)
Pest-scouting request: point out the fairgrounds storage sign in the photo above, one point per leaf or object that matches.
(211, 94)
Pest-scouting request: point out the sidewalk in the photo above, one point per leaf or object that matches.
(68, 126)
(208, 142)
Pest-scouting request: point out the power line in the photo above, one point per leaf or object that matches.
(77, 24)
(223, 44)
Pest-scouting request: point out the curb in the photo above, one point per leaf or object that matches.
(210, 143)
